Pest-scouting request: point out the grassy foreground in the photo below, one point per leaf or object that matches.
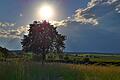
(36, 71)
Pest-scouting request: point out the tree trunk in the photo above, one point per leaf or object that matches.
(43, 59)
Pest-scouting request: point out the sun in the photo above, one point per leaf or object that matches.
(46, 12)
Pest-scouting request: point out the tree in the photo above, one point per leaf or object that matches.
(42, 39)
(4, 52)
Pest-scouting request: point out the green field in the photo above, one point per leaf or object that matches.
(96, 57)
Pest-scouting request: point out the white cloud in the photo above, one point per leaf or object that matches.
(9, 30)
(86, 16)
(118, 8)
(111, 1)
(61, 23)
(21, 15)
(6, 24)
(114, 3)
(80, 14)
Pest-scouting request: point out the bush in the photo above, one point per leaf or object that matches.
(86, 60)
(61, 56)
(37, 58)
(66, 58)
(27, 56)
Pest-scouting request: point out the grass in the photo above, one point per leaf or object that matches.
(36, 71)
(92, 72)
(97, 57)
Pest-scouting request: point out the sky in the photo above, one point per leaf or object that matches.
(89, 25)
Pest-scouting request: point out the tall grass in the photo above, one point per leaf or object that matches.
(36, 71)
(93, 72)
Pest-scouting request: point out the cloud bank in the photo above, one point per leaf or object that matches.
(9, 30)
(87, 15)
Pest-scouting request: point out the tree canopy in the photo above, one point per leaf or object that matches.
(42, 39)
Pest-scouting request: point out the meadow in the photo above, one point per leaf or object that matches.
(56, 71)
(61, 67)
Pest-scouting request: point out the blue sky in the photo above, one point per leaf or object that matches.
(92, 26)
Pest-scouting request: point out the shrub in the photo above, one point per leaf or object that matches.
(37, 58)
(27, 56)
(86, 60)
(66, 58)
